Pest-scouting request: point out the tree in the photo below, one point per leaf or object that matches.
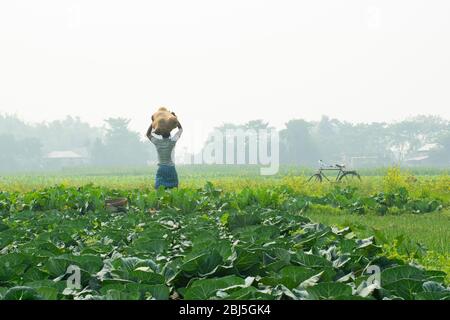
(68, 134)
(297, 145)
(407, 136)
(19, 154)
(441, 156)
(121, 146)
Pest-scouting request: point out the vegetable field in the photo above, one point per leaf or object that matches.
(209, 242)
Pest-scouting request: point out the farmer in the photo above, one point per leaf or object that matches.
(166, 175)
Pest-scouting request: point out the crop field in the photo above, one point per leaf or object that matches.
(225, 235)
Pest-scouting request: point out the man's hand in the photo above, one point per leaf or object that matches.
(149, 132)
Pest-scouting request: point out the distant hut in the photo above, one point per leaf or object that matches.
(68, 158)
(422, 155)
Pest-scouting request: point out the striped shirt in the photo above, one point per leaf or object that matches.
(166, 148)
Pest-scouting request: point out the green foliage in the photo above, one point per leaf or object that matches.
(200, 244)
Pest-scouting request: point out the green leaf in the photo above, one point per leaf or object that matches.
(394, 274)
(159, 292)
(90, 263)
(310, 260)
(34, 274)
(22, 293)
(248, 293)
(207, 288)
(2, 292)
(329, 291)
(247, 260)
(13, 264)
(432, 296)
(130, 264)
(48, 293)
(433, 291)
(135, 291)
(240, 220)
(147, 276)
(3, 227)
(118, 295)
(431, 286)
(436, 276)
(291, 277)
(404, 288)
(147, 245)
(202, 264)
(58, 265)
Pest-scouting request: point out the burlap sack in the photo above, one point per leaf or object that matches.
(163, 121)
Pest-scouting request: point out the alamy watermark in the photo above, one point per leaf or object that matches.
(242, 146)
(374, 18)
(372, 283)
(375, 275)
(73, 282)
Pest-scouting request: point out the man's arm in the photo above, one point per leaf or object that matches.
(177, 135)
(149, 133)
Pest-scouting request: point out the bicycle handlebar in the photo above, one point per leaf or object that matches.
(323, 165)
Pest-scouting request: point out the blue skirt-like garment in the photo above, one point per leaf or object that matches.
(167, 177)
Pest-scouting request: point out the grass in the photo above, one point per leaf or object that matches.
(432, 229)
(235, 178)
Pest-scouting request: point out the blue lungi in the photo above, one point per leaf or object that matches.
(166, 176)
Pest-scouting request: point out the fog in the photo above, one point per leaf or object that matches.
(216, 62)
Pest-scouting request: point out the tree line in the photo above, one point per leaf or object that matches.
(26, 146)
(422, 140)
(418, 141)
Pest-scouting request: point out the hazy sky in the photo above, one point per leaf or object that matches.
(224, 61)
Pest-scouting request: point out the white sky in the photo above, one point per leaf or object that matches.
(224, 61)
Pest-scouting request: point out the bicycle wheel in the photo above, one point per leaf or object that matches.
(316, 177)
(349, 176)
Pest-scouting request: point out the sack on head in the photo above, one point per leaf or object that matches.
(164, 121)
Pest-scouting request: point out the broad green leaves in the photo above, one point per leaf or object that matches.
(135, 291)
(202, 264)
(291, 277)
(408, 282)
(13, 265)
(329, 290)
(22, 293)
(207, 288)
(198, 244)
(401, 273)
(57, 266)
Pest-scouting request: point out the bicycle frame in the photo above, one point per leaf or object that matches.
(340, 173)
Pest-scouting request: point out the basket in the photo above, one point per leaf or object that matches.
(115, 205)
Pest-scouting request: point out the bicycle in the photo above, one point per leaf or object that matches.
(342, 173)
